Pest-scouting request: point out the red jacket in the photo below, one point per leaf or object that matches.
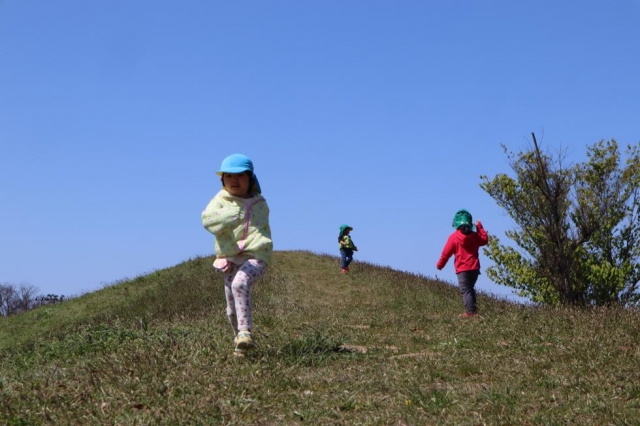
(465, 248)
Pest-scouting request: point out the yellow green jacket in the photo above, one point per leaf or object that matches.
(348, 243)
(240, 225)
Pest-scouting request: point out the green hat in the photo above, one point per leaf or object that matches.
(462, 217)
(344, 227)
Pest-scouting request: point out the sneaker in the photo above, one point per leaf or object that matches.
(469, 314)
(240, 353)
(344, 271)
(244, 340)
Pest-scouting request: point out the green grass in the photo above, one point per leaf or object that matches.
(375, 347)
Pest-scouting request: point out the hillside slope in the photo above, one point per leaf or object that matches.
(377, 346)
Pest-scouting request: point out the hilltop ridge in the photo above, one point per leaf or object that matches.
(377, 346)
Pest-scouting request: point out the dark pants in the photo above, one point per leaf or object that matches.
(347, 257)
(466, 282)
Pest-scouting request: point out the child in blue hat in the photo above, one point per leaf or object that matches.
(347, 247)
(238, 217)
(464, 243)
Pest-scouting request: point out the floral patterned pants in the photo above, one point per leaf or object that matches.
(238, 280)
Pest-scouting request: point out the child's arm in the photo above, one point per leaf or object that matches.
(219, 215)
(484, 237)
(347, 242)
(447, 252)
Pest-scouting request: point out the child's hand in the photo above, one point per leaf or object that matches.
(221, 265)
(478, 223)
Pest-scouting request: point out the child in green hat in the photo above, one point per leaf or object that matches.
(464, 243)
(347, 247)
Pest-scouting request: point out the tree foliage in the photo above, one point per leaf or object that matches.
(577, 239)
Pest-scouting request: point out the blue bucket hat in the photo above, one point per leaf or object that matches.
(240, 163)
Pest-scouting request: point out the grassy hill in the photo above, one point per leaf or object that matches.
(376, 347)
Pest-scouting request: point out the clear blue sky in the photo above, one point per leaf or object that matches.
(114, 116)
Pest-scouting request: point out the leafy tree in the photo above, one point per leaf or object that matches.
(49, 299)
(578, 227)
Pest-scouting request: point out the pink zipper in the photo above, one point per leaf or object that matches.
(245, 232)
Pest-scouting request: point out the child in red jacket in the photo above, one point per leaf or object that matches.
(464, 244)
